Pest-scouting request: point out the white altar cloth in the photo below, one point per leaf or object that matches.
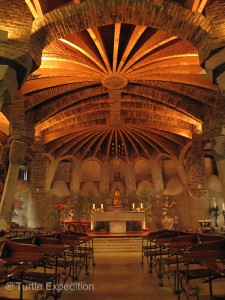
(117, 220)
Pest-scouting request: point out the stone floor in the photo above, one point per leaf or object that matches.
(119, 275)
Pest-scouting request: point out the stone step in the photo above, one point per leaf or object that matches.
(121, 244)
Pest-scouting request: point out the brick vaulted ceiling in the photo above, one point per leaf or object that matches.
(118, 89)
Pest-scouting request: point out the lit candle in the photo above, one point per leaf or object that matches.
(133, 205)
(223, 207)
(93, 206)
(102, 206)
(141, 205)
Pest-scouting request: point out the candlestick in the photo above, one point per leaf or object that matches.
(223, 213)
(214, 201)
(215, 214)
(133, 206)
(141, 205)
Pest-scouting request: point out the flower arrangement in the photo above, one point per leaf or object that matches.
(166, 205)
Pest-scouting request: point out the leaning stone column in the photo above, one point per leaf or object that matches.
(195, 205)
(157, 177)
(16, 158)
(20, 136)
(75, 177)
(51, 170)
(130, 180)
(8, 84)
(218, 148)
(104, 178)
(214, 131)
(4, 160)
(195, 167)
(181, 171)
(38, 184)
(214, 64)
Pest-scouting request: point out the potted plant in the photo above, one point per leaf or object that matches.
(88, 201)
(144, 197)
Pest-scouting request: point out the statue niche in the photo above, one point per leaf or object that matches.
(117, 199)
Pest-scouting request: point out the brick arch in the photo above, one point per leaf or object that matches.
(187, 25)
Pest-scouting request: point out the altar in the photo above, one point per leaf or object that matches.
(117, 220)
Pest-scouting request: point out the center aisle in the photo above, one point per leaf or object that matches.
(119, 275)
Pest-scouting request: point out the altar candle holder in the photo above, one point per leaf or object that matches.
(223, 212)
(215, 214)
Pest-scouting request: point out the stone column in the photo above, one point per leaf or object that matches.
(214, 66)
(181, 171)
(8, 84)
(195, 205)
(51, 169)
(75, 177)
(195, 167)
(104, 178)
(20, 136)
(16, 158)
(4, 160)
(41, 209)
(130, 180)
(214, 131)
(218, 148)
(157, 177)
(215, 63)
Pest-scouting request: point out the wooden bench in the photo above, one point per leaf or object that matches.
(15, 253)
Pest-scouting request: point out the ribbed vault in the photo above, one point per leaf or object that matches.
(120, 90)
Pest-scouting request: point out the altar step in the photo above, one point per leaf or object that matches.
(118, 244)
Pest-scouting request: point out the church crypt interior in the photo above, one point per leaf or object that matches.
(112, 146)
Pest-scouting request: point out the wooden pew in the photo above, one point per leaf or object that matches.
(191, 249)
(18, 254)
(151, 249)
(79, 257)
(164, 257)
(14, 274)
(19, 258)
(88, 244)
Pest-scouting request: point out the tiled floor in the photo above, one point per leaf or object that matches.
(119, 275)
